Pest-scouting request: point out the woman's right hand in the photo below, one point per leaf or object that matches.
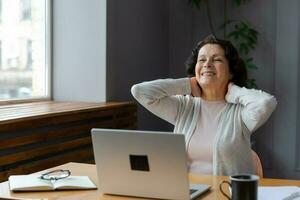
(195, 87)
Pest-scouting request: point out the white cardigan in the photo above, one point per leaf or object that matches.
(246, 110)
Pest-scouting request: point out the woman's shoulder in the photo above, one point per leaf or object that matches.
(188, 104)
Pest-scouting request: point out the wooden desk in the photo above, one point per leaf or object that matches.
(90, 170)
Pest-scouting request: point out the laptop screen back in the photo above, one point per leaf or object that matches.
(141, 163)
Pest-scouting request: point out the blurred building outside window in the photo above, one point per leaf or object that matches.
(25, 10)
(24, 49)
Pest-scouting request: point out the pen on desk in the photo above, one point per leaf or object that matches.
(292, 196)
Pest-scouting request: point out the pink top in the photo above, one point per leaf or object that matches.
(200, 147)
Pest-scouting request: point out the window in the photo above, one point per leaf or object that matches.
(25, 9)
(0, 55)
(25, 50)
(0, 11)
(29, 55)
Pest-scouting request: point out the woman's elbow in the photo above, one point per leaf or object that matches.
(138, 92)
(270, 103)
(267, 107)
(134, 90)
(264, 108)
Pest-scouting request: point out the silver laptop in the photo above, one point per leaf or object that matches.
(143, 164)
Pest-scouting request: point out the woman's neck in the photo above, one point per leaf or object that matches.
(213, 94)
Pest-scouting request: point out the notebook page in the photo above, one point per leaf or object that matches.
(277, 192)
(28, 183)
(74, 182)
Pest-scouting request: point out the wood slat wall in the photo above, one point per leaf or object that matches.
(35, 136)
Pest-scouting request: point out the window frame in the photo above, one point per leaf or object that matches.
(48, 62)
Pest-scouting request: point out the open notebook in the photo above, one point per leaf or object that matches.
(278, 193)
(35, 183)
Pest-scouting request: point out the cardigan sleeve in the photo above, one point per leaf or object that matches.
(257, 105)
(161, 96)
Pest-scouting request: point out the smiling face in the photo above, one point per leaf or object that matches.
(212, 69)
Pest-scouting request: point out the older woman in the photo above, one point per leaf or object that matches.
(212, 108)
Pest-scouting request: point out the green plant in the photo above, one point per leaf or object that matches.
(241, 33)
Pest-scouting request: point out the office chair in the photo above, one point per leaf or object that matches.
(257, 164)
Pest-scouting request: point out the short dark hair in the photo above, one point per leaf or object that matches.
(236, 65)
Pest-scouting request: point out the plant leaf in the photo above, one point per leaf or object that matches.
(249, 59)
(251, 83)
(240, 2)
(249, 64)
(244, 36)
(228, 22)
(196, 3)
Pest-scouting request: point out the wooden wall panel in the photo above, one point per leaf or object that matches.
(36, 136)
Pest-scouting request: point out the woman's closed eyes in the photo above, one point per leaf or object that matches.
(214, 60)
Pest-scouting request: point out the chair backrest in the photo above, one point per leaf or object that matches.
(257, 164)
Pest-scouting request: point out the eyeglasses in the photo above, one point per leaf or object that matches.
(56, 175)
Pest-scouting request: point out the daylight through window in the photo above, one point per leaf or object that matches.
(24, 49)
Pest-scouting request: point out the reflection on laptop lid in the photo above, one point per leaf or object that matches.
(143, 164)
